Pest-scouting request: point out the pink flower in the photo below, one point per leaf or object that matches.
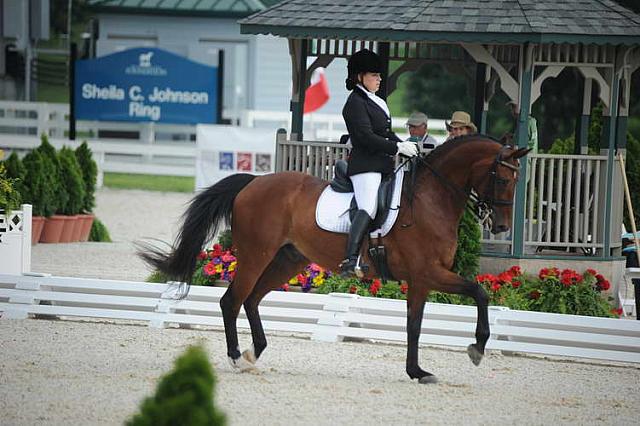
(202, 255)
(591, 272)
(515, 270)
(209, 268)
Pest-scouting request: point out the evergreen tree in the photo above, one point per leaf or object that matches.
(71, 179)
(184, 396)
(89, 170)
(51, 169)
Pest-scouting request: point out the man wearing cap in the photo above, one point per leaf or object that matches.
(532, 127)
(460, 125)
(419, 131)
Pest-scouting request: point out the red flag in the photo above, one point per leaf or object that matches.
(317, 93)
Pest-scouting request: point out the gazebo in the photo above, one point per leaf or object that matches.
(570, 202)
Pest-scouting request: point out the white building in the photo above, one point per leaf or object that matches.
(257, 69)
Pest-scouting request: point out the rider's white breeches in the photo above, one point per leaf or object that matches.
(365, 186)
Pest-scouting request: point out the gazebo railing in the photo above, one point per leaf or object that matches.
(564, 204)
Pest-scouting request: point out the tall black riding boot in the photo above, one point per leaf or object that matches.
(359, 228)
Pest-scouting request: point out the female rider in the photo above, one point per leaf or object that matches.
(374, 144)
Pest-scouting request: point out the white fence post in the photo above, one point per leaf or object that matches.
(26, 238)
(333, 318)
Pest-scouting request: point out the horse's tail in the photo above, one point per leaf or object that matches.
(200, 224)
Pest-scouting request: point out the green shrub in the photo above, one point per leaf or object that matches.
(99, 232)
(184, 396)
(51, 169)
(15, 170)
(225, 239)
(10, 198)
(632, 167)
(157, 277)
(552, 290)
(89, 176)
(467, 258)
(38, 184)
(71, 179)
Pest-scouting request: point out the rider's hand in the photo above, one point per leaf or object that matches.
(408, 149)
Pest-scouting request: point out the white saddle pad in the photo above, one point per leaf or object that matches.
(332, 210)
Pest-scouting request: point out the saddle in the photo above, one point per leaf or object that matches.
(342, 183)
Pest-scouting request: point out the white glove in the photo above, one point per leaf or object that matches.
(408, 149)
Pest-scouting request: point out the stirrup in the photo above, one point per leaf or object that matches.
(352, 267)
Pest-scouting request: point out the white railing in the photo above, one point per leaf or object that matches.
(324, 317)
(52, 119)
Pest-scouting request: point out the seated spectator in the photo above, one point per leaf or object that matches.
(419, 131)
(460, 125)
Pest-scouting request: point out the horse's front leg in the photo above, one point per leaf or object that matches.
(450, 282)
(417, 295)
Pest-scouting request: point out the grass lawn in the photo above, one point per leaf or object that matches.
(149, 182)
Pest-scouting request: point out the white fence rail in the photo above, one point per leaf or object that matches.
(331, 317)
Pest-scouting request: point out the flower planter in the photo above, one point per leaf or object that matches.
(52, 230)
(67, 231)
(37, 224)
(77, 229)
(87, 222)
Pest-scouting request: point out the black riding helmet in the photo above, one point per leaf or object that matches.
(362, 61)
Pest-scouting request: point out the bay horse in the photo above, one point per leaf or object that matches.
(275, 234)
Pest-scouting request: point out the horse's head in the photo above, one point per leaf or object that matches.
(494, 180)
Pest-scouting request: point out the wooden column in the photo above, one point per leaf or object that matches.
(582, 126)
(480, 103)
(383, 51)
(522, 136)
(298, 52)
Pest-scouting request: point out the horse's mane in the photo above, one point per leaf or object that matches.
(452, 144)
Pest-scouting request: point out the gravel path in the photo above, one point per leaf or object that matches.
(96, 372)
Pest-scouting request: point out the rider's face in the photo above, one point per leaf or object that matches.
(371, 81)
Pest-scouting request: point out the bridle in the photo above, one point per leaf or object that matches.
(481, 206)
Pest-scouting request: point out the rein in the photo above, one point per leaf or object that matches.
(480, 207)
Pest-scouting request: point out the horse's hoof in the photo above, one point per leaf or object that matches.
(250, 355)
(430, 378)
(242, 365)
(474, 354)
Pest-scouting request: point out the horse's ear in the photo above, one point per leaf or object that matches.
(521, 152)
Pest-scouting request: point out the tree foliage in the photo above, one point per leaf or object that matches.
(89, 170)
(184, 396)
(71, 179)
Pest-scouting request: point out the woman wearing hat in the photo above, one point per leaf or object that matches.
(374, 144)
(460, 125)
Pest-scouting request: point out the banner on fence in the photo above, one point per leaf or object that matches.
(146, 84)
(227, 150)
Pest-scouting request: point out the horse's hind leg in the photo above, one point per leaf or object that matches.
(287, 262)
(450, 282)
(251, 264)
(415, 310)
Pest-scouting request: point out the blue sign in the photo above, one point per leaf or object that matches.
(146, 84)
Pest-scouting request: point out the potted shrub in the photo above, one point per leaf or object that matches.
(37, 191)
(15, 171)
(55, 221)
(9, 196)
(89, 170)
(71, 179)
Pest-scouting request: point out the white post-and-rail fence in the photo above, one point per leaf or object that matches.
(15, 240)
(332, 317)
(565, 193)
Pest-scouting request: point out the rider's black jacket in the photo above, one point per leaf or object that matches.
(374, 144)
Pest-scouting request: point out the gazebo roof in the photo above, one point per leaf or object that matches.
(499, 21)
(210, 8)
